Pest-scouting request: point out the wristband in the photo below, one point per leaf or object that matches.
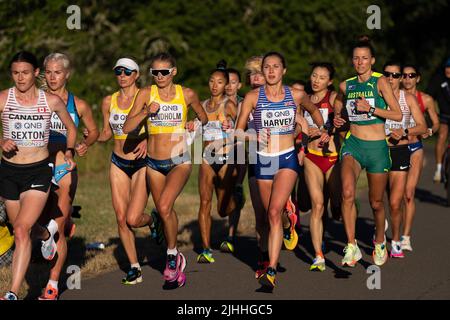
(371, 111)
(430, 132)
(406, 132)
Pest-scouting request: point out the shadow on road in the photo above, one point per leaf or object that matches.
(426, 196)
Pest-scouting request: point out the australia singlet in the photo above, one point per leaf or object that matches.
(27, 126)
(368, 89)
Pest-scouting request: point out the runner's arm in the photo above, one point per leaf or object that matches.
(106, 132)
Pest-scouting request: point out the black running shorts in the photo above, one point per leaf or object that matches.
(18, 178)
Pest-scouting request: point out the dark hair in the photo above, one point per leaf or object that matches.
(393, 63)
(164, 56)
(326, 65)
(364, 42)
(410, 65)
(221, 67)
(276, 54)
(25, 56)
(234, 71)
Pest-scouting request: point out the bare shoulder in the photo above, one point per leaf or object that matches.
(342, 86)
(81, 104)
(53, 99)
(427, 99)
(410, 97)
(253, 94)
(189, 93)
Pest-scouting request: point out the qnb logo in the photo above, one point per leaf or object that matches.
(374, 20)
(74, 280)
(374, 281)
(73, 22)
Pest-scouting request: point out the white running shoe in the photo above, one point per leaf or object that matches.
(437, 176)
(48, 247)
(380, 254)
(406, 243)
(352, 254)
(396, 249)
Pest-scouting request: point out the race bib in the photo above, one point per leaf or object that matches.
(57, 125)
(354, 115)
(390, 125)
(116, 121)
(169, 115)
(213, 131)
(278, 121)
(309, 119)
(29, 133)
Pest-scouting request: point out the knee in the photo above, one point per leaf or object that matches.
(317, 211)
(409, 195)
(395, 205)
(133, 221)
(376, 205)
(205, 204)
(274, 215)
(21, 234)
(122, 221)
(348, 194)
(164, 210)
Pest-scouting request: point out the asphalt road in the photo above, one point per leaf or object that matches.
(422, 274)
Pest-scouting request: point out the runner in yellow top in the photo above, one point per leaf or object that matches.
(165, 107)
(128, 163)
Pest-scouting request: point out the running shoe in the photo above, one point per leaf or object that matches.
(406, 243)
(290, 236)
(9, 296)
(268, 278)
(396, 249)
(437, 176)
(49, 293)
(318, 264)
(174, 267)
(380, 254)
(205, 257)
(133, 276)
(352, 255)
(227, 246)
(48, 247)
(156, 228)
(261, 268)
(239, 196)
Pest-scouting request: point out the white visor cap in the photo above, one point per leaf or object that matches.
(127, 63)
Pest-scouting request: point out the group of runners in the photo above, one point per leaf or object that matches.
(375, 121)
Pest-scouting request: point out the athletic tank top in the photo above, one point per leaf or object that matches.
(117, 116)
(27, 126)
(278, 117)
(368, 90)
(172, 115)
(58, 131)
(212, 130)
(420, 100)
(325, 108)
(406, 119)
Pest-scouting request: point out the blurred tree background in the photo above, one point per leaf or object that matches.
(201, 32)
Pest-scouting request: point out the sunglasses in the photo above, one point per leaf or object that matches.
(395, 75)
(163, 72)
(119, 71)
(411, 75)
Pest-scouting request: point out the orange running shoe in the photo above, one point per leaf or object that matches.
(50, 293)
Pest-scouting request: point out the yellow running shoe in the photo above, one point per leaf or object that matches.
(268, 278)
(380, 254)
(318, 264)
(205, 257)
(290, 237)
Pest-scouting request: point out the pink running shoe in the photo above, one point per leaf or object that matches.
(175, 266)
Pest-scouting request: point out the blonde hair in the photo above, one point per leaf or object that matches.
(56, 56)
(254, 64)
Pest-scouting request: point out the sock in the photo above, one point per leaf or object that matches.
(173, 251)
(53, 283)
(320, 254)
(136, 265)
(439, 167)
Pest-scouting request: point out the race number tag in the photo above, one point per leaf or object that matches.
(278, 121)
(169, 115)
(354, 115)
(213, 131)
